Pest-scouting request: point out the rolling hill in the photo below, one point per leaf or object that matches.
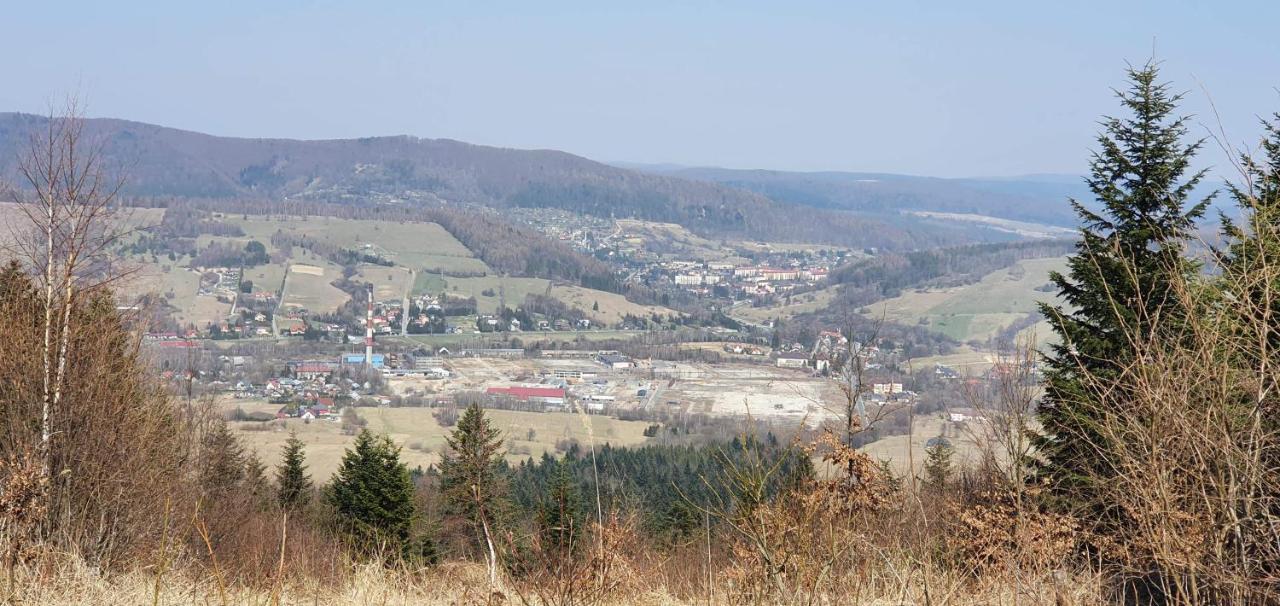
(1041, 202)
(1030, 199)
(162, 161)
(168, 162)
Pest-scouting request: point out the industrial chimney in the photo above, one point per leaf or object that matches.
(368, 331)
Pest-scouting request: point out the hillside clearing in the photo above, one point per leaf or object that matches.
(389, 283)
(180, 288)
(976, 311)
(799, 304)
(310, 287)
(415, 245)
(490, 290)
(612, 307)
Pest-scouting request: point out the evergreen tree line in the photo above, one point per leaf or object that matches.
(1159, 417)
(475, 502)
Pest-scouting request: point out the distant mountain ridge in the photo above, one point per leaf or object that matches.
(840, 208)
(1034, 198)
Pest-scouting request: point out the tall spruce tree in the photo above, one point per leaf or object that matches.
(937, 466)
(373, 495)
(1249, 265)
(255, 480)
(471, 475)
(1118, 283)
(293, 484)
(222, 462)
(561, 513)
(1255, 245)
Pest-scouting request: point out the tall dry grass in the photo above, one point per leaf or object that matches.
(72, 583)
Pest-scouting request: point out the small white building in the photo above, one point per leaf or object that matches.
(792, 360)
(885, 389)
(615, 362)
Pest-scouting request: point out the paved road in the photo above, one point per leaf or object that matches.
(655, 387)
(275, 330)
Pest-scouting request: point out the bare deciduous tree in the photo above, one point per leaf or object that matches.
(69, 206)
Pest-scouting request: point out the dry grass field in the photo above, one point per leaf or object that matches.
(180, 287)
(799, 304)
(977, 311)
(488, 290)
(422, 438)
(612, 306)
(388, 282)
(639, 583)
(310, 287)
(14, 222)
(265, 277)
(965, 360)
(413, 245)
(902, 459)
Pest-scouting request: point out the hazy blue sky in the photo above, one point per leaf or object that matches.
(942, 88)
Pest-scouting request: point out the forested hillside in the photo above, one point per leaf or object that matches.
(1042, 201)
(163, 161)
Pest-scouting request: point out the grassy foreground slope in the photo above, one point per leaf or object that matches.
(636, 582)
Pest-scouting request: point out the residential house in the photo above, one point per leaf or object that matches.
(792, 360)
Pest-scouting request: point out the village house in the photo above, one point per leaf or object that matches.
(780, 275)
(792, 360)
(311, 370)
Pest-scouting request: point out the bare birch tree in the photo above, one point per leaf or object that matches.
(67, 225)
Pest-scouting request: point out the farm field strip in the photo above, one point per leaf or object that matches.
(413, 245)
(802, 303)
(309, 286)
(976, 311)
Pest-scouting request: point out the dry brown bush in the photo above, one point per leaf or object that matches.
(1191, 489)
(119, 446)
(995, 538)
(860, 536)
(599, 567)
